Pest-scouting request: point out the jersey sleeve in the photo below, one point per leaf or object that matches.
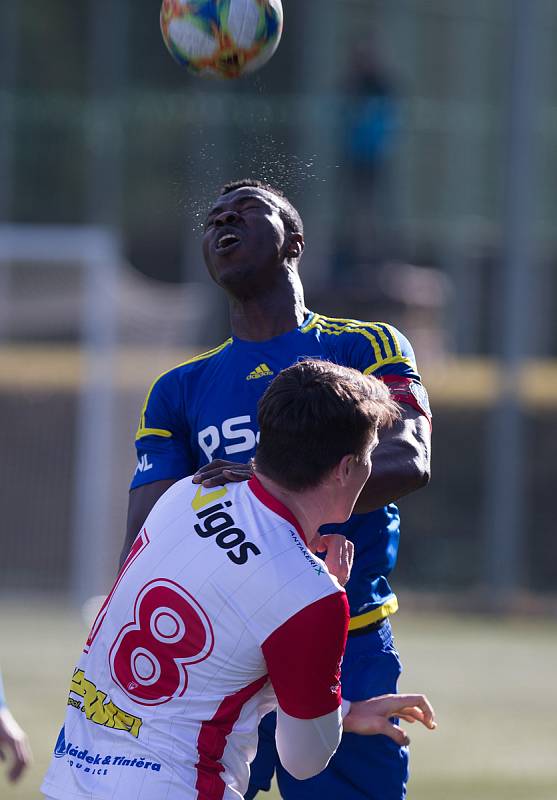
(393, 361)
(162, 438)
(304, 655)
(305, 746)
(385, 351)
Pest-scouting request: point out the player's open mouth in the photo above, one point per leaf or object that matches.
(226, 242)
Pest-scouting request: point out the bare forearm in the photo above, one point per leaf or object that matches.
(400, 463)
(128, 541)
(141, 501)
(397, 471)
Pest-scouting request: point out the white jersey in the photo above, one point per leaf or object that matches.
(219, 611)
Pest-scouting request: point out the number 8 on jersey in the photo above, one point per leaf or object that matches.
(170, 630)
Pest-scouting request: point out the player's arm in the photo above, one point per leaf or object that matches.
(308, 744)
(163, 453)
(13, 741)
(303, 659)
(371, 717)
(400, 462)
(219, 472)
(140, 502)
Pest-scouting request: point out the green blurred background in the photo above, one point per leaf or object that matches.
(490, 682)
(417, 139)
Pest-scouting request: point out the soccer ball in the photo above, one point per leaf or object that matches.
(221, 38)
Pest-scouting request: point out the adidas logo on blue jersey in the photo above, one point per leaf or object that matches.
(262, 371)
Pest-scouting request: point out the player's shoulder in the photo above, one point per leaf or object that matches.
(379, 342)
(278, 534)
(190, 368)
(196, 363)
(350, 325)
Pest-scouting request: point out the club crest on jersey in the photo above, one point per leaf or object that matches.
(420, 393)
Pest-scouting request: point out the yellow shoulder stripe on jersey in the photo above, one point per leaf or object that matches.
(352, 326)
(376, 326)
(142, 430)
(337, 330)
(202, 356)
(369, 330)
(361, 621)
(386, 361)
(393, 336)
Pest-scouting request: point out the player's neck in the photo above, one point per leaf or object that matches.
(266, 314)
(309, 507)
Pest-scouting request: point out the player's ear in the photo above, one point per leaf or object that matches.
(344, 468)
(295, 246)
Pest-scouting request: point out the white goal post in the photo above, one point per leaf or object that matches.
(82, 336)
(97, 252)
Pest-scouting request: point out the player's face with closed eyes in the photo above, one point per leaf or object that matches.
(245, 238)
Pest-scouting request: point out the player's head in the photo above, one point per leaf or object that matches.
(290, 216)
(317, 420)
(253, 236)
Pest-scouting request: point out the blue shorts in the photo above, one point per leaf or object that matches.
(364, 767)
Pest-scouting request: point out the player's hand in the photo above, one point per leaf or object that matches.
(369, 717)
(219, 472)
(13, 741)
(340, 554)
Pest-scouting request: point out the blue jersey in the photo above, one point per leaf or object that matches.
(206, 408)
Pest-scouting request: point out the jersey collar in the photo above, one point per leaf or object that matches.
(275, 505)
(247, 343)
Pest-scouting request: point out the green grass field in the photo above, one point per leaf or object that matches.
(492, 682)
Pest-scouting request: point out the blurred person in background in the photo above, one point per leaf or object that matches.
(14, 745)
(201, 416)
(368, 130)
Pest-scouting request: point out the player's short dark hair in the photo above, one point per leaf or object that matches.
(314, 413)
(289, 214)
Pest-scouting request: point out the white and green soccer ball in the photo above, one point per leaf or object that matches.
(221, 38)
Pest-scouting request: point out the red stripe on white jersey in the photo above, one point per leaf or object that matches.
(140, 543)
(274, 504)
(211, 741)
